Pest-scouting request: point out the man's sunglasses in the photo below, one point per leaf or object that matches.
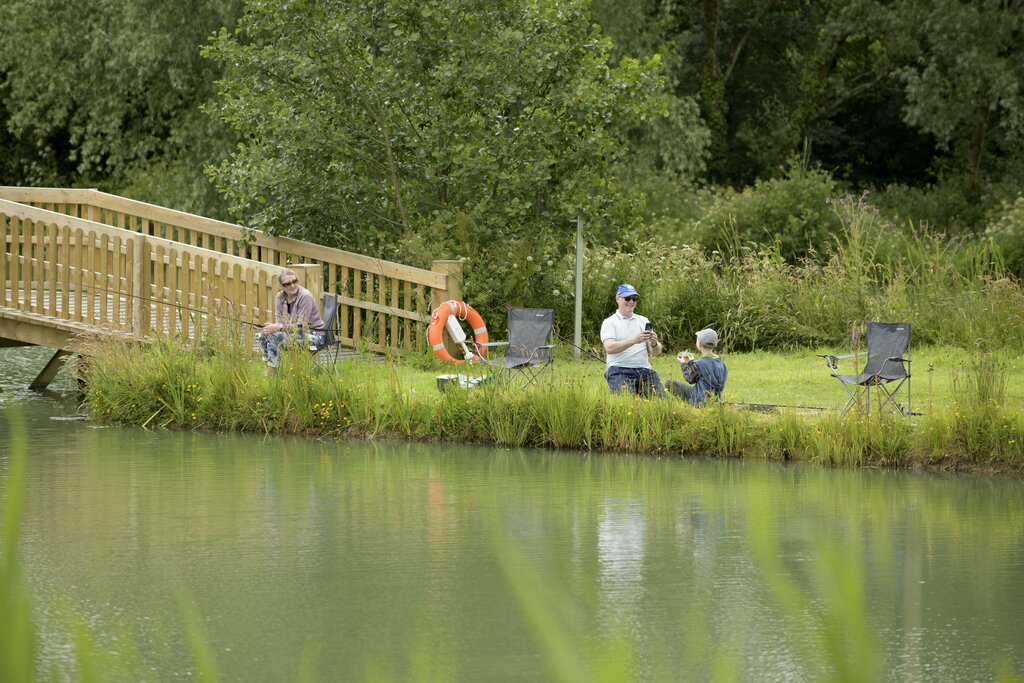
(630, 298)
(289, 283)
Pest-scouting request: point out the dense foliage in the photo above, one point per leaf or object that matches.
(480, 130)
(365, 120)
(104, 93)
(952, 287)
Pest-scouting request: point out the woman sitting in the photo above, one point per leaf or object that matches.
(295, 315)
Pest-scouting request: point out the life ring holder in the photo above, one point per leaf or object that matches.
(440, 319)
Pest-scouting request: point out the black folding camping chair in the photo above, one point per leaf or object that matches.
(527, 356)
(888, 362)
(328, 354)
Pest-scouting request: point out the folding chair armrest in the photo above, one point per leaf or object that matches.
(488, 344)
(832, 359)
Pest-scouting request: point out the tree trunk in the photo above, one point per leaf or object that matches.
(972, 170)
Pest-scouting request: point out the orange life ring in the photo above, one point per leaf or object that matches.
(462, 311)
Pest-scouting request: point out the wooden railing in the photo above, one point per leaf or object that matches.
(81, 271)
(382, 305)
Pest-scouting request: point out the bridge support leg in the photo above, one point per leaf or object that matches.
(50, 371)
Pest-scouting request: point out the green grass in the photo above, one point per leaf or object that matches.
(790, 378)
(962, 404)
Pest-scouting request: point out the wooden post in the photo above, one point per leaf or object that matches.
(452, 291)
(453, 283)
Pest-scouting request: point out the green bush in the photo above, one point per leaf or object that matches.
(1006, 230)
(790, 212)
(943, 205)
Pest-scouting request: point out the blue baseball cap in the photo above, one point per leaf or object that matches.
(626, 290)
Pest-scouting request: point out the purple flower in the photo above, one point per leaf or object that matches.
(855, 335)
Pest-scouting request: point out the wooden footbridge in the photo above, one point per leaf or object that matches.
(80, 264)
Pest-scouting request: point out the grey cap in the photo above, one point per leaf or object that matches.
(708, 338)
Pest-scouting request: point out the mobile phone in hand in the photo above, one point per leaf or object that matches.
(648, 327)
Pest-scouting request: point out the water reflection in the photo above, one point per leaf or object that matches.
(363, 559)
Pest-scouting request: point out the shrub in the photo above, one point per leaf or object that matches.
(789, 212)
(1006, 230)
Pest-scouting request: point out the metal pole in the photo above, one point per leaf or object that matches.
(578, 323)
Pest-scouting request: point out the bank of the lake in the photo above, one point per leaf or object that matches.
(966, 415)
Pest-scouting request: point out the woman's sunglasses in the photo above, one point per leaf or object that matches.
(289, 283)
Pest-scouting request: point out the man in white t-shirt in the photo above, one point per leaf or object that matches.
(627, 338)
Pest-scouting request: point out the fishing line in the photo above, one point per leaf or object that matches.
(160, 302)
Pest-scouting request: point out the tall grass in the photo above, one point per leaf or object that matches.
(223, 388)
(953, 288)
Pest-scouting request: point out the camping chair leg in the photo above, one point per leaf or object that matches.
(852, 400)
(890, 400)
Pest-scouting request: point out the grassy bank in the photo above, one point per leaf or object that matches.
(963, 420)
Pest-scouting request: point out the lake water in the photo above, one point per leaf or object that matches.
(338, 560)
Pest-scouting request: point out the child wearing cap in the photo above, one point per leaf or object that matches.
(707, 374)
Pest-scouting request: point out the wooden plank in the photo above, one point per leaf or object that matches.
(187, 281)
(29, 254)
(382, 301)
(89, 291)
(394, 342)
(41, 330)
(103, 275)
(344, 311)
(50, 370)
(53, 261)
(16, 283)
(65, 272)
(248, 302)
(234, 297)
(173, 286)
(44, 194)
(210, 286)
(379, 308)
(159, 289)
(421, 333)
(116, 275)
(77, 259)
(5, 264)
(406, 325)
(357, 303)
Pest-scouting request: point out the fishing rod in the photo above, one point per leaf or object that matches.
(183, 307)
(760, 406)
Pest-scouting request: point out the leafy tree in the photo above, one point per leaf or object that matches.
(108, 92)
(770, 74)
(966, 83)
(675, 146)
(363, 120)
